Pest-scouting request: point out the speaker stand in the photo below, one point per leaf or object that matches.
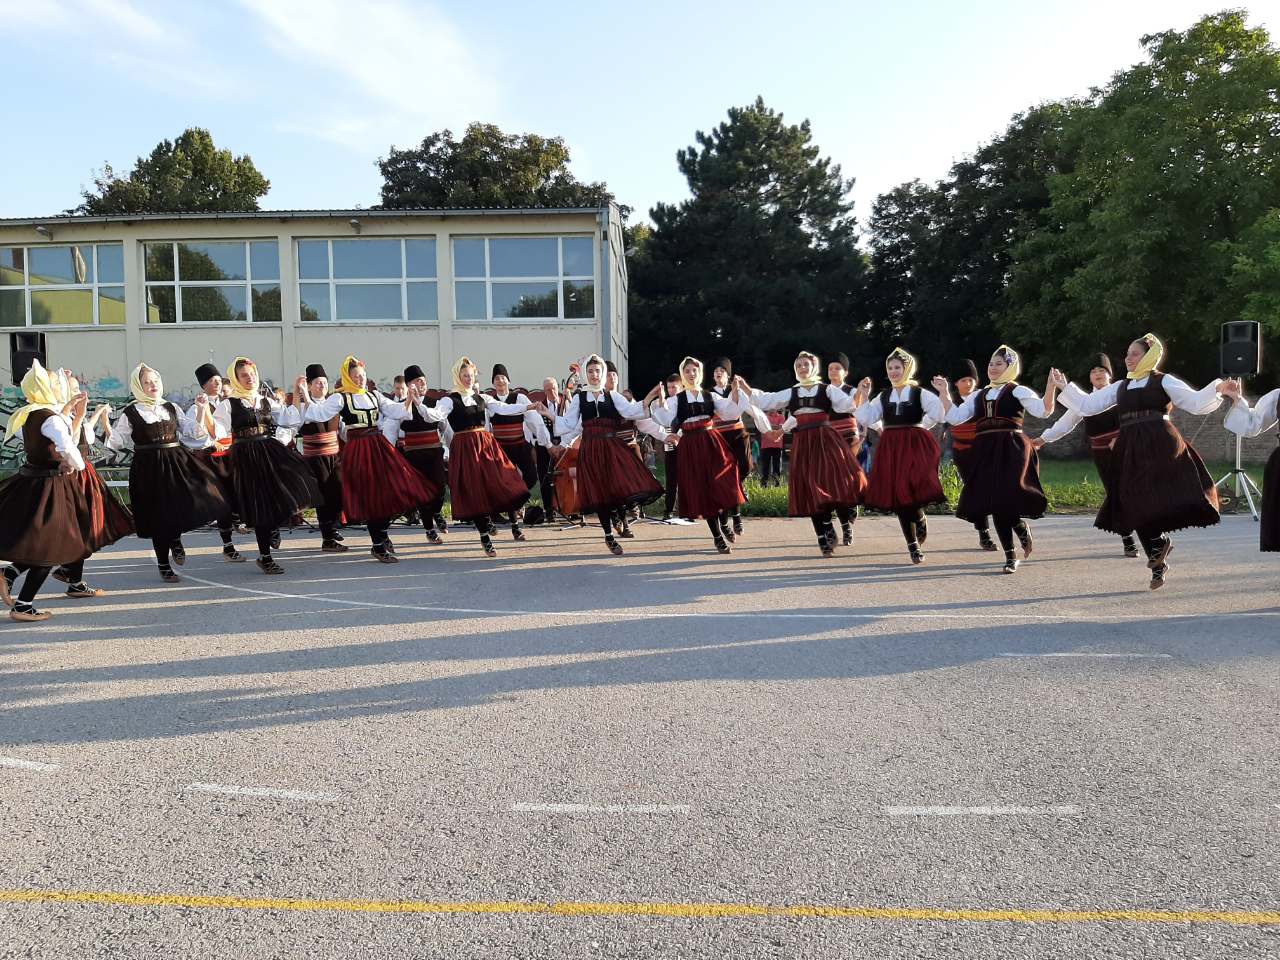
(1244, 485)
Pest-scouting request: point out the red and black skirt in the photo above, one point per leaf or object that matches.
(1159, 483)
(377, 482)
(610, 475)
(904, 473)
(824, 472)
(109, 519)
(1003, 476)
(482, 480)
(706, 473)
(44, 518)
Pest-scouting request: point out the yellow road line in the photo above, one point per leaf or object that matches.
(642, 909)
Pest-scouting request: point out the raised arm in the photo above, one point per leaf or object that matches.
(1251, 422)
(57, 430)
(568, 422)
(1196, 402)
(1063, 427)
(1032, 402)
(318, 411)
(664, 411)
(1089, 404)
(964, 411)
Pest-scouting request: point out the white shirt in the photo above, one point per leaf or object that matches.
(967, 409)
(58, 430)
(122, 430)
(1195, 402)
(571, 420)
(282, 415)
(872, 412)
(535, 428)
(205, 441)
(1251, 422)
(389, 411)
(664, 411)
(444, 406)
(841, 402)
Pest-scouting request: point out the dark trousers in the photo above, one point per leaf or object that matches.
(673, 481)
(546, 479)
(36, 576)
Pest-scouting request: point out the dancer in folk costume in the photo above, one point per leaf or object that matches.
(629, 431)
(904, 478)
(213, 446)
(171, 491)
(45, 520)
(962, 437)
(547, 456)
(321, 450)
(1249, 421)
(707, 471)
(271, 481)
(1159, 482)
(424, 443)
(610, 475)
(482, 480)
(1004, 471)
(825, 475)
(734, 432)
(846, 424)
(518, 435)
(378, 484)
(1102, 429)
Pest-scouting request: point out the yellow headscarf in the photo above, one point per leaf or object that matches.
(685, 381)
(135, 386)
(1151, 359)
(41, 391)
(345, 383)
(814, 379)
(908, 368)
(458, 385)
(238, 389)
(1010, 356)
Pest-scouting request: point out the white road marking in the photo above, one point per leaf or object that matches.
(262, 792)
(15, 764)
(1099, 656)
(599, 808)
(1067, 810)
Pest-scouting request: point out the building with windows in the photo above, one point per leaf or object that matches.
(531, 288)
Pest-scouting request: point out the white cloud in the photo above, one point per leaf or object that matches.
(127, 17)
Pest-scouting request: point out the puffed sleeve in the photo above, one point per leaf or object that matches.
(841, 402)
(288, 417)
(56, 429)
(1251, 422)
(390, 409)
(318, 411)
(870, 413)
(222, 417)
(535, 429)
(1089, 404)
(652, 428)
(437, 414)
(630, 409)
(933, 412)
(1031, 401)
(772, 401)
(963, 411)
(567, 422)
(492, 405)
(121, 433)
(193, 427)
(664, 411)
(1062, 427)
(1196, 402)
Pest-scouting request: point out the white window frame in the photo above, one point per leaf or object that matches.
(178, 283)
(557, 281)
(93, 287)
(334, 282)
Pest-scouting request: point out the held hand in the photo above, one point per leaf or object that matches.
(1037, 443)
(674, 440)
(939, 384)
(82, 402)
(202, 402)
(865, 385)
(1229, 388)
(300, 387)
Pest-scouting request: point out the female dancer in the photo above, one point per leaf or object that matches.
(482, 481)
(610, 475)
(962, 437)
(378, 484)
(1250, 423)
(825, 475)
(904, 477)
(734, 432)
(706, 470)
(1101, 429)
(845, 424)
(424, 448)
(271, 481)
(320, 450)
(1003, 471)
(1159, 483)
(170, 490)
(44, 517)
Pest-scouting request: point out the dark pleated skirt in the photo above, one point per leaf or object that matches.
(904, 474)
(172, 491)
(377, 482)
(824, 473)
(482, 481)
(610, 476)
(44, 521)
(109, 519)
(1003, 478)
(706, 475)
(1159, 483)
(220, 467)
(1271, 503)
(272, 482)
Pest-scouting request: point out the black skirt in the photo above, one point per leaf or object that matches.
(171, 491)
(44, 520)
(1158, 483)
(272, 482)
(1271, 504)
(1003, 478)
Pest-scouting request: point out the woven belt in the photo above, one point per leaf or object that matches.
(244, 432)
(1103, 440)
(810, 421)
(728, 426)
(509, 432)
(167, 445)
(458, 433)
(355, 432)
(252, 437)
(421, 440)
(691, 425)
(320, 444)
(1141, 416)
(31, 470)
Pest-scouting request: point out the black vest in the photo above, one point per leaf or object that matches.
(1106, 422)
(602, 409)
(686, 408)
(162, 431)
(463, 417)
(846, 389)
(819, 401)
(417, 423)
(1151, 398)
(507, 417)
(354, 416)
(908, 413)
(249, 420)
(1004, 406)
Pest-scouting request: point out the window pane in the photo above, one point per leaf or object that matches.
(213, 304)
(161, 305)
(525, 300)
(524, 257)
(313, 259)
(578, 260)
(13, 308)
(420, 258)
(422, 303)
(110, 304)
(211, 261)
(366, 260)
(111, 263)
(11, 261)
(60, 265)
(160, 262)
(315, 301)
(469, 301)
(266, 303)
(61, 307)
(579, 300)
(468, 258)
(368, 301)
(264, 259)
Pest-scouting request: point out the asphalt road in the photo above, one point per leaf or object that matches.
(559, 753)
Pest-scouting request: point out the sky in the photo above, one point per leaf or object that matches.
(315, 91)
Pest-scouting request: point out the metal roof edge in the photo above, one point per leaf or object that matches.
(284, 215)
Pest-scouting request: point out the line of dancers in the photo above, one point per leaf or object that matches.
(369, 458)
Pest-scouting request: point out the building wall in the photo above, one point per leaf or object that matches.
(530, 349)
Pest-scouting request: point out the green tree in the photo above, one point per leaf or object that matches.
(486, 168)
(183, 175)
(759, 263)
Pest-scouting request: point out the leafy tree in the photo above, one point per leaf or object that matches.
(486, 168)
(183, 175)
(759, 263)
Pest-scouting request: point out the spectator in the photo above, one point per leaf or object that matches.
(771, 450)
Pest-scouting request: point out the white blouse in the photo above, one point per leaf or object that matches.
(872, 412)
(205, 441)
(841, 402)
(283, 416)
(1195, 402)
(664, 411)
(58, 430)
(1250, 422)
(389, 411)
(444, 406)
(1031, 402)
(122, 429)
(535, 428)
(571, 419)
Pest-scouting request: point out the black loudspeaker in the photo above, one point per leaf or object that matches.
(1241, 348)
(23, 349)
